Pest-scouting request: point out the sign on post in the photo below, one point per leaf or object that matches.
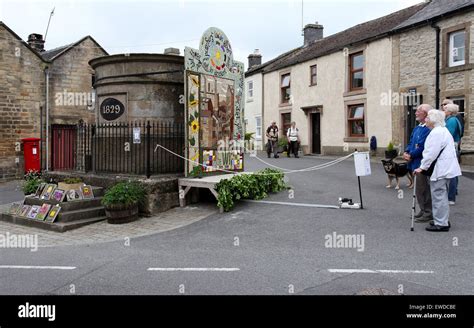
(362, 164)
(136, 135)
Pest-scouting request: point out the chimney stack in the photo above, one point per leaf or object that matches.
(312, 32)
(255, 59)
(36, 42)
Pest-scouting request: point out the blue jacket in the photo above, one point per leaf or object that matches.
(453, 125)
(416, 146)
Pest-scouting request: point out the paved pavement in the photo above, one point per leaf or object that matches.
(271, 249)
(103, 232)
(10, 192)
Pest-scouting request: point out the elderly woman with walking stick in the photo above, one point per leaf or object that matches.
(440, 162)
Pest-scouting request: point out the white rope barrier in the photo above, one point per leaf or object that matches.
(286, 171)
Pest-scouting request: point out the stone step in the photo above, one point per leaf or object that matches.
(65, 226)
(66, 206)
(57, 226)
(80, 214)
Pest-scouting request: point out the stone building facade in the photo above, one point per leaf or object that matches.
(72, 92)
(333, 87)
(21, 98)
(415, 67)
(399, 71)
(23, 69)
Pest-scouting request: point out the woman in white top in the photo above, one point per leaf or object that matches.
(439, 147)
(293, 140)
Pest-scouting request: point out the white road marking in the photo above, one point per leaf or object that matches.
(378, 271)
(194, 269)
(291, 204)
(39, 267)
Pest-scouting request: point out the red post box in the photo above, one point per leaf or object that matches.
(31, 153)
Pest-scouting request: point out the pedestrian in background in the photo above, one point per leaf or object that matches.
(439, 152)
(272, 144)
(455, 128)
(293, 140)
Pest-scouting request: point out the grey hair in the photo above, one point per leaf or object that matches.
(437, 117)
(452, 108)
(447, 101)
(425, 107)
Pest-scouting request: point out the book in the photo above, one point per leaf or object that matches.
(73, 194)
(24, 210)
(33, 212)
(20, 209)
(48, 191)
(87, 192)
(39, 190)
(58, 195)
(14, 208)
(43, 212)
(53, 214)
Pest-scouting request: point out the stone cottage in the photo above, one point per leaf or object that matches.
(29, 74)
(435, 60)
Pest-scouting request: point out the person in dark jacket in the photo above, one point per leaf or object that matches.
(272, 144)
(414, 154)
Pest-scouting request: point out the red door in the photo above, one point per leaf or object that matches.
(63, 147)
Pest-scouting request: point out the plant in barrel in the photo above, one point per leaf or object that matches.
(122, 202)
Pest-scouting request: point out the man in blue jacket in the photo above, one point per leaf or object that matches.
(413, 154)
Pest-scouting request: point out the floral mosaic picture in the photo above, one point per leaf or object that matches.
(214, 106)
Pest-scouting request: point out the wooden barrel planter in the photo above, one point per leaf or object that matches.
(121, 202)
(119, 214)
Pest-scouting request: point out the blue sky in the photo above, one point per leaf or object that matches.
(273, 26)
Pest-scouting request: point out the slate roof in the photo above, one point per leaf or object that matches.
(52, 54)
(364, 32)
(436, 9)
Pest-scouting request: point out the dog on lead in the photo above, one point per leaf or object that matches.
(395, 171)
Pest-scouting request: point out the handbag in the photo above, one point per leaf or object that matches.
(430, 170)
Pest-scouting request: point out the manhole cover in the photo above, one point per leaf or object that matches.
(376, 291)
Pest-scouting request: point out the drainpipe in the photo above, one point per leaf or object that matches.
(46, 72)
(438, 62)
(41, 138)
(262, 111)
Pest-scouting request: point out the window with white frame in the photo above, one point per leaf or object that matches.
(457, 48)
(258, 127)
(250, 89)
(285, 88)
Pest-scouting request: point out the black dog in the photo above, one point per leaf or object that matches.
(396, 171)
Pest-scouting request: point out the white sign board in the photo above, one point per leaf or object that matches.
(136, 135)
(362, 164)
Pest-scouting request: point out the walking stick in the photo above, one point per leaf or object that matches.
(413, 208)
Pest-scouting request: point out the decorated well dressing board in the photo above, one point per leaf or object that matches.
(214, 106)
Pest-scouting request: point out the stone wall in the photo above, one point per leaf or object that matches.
(161, 192)
(21, 96)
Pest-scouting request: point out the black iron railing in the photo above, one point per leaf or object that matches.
(130, 148)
